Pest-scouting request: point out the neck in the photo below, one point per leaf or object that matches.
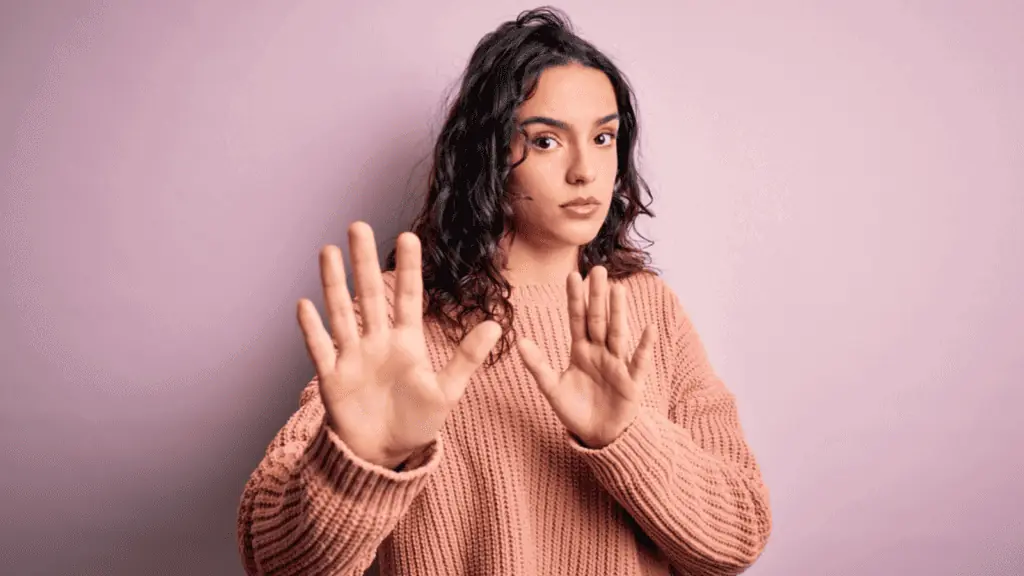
(529, 264)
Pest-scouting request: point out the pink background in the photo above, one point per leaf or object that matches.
(840, 191)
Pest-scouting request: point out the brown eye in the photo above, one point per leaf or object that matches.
(604, 139)
(544, 143)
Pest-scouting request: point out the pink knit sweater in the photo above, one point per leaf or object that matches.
(504, 489)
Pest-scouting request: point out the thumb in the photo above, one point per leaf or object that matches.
(640, 365)
(471, 353)
(538, 367)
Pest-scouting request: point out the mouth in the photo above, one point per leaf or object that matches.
(581, 202)
(582, 208)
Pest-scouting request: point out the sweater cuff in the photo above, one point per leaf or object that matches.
(335, 472)
(637, 452)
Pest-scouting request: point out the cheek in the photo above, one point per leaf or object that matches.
(537, 178)
(611, 166)
(607, 175)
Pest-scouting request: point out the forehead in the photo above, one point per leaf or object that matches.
(572, 93)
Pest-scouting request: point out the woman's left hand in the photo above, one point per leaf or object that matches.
(598, 396)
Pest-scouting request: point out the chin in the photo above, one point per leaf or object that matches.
(578, 233)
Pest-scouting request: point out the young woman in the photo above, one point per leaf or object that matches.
(480, 408)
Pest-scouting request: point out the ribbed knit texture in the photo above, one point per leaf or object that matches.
(504, 489)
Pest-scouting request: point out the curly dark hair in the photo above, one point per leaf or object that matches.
(468, 209)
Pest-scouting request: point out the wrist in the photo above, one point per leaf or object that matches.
(397, 464)
(383, 458)
(605, 438)
(391, 460)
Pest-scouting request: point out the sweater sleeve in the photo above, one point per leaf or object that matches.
(688, 477)
(312, 506)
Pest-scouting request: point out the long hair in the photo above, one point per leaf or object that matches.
(468, 209)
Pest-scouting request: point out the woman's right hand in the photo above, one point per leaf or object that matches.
(380, 392)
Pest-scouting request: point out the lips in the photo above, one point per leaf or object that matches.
(588, 201)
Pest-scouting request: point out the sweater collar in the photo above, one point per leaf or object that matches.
(526, 295)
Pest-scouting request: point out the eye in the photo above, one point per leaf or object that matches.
(605, 138)
(544, 143)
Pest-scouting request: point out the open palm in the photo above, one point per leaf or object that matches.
(599, 394)
(380, 392)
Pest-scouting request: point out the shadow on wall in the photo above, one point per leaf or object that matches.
(190, 528)
(390, 194)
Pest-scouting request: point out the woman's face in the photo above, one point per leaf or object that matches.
(565, 185)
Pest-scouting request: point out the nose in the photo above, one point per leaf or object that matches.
(582, 168)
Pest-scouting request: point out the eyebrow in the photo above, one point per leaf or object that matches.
(560, 124)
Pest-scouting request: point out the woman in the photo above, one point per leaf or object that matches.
(529, 422)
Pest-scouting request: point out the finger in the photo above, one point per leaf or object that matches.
(640, 365)
(469, 355)
(577, 307)
(409, 281)
(369, 282)
(618, 325)
(597, 309)
(337, 300)
(542, 372)
(318, 341)
(586, 293)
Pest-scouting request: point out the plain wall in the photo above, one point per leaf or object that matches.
(840, 200)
